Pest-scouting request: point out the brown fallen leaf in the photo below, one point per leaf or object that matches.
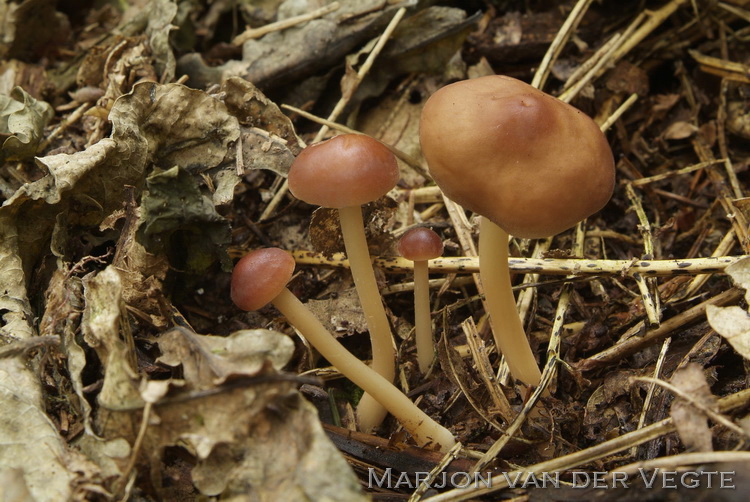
(733, 323)
(692, 424)
(680, 130)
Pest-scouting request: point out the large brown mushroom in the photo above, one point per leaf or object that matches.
(260, 277)
(346, 172)
(530, 164)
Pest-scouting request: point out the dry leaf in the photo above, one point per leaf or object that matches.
(733, 323)
(22, 121)
(342, 314)
(692, 424)
(29, 441)
(253, 109)
(738, 119)
(106, 329)
(236, 433)
(179, 221)
(680, 130)
(664, 102)
(210, 360)
(422, 42)
(284, 57)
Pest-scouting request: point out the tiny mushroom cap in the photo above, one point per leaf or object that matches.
(260, 276)
(529, 162)
(420, 244)
(347, 170)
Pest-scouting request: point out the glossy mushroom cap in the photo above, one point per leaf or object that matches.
(347, 170)
(527, 161)
(420, 244)
(260, 276)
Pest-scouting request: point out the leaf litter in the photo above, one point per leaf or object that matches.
(142, 152)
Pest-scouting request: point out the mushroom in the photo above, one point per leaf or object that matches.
(346, 172)
(419, 245)
(530, 164)
(260, 277)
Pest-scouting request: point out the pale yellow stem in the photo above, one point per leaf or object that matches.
(507, 329)
(424, 430)
(422, 321)
(370, 414)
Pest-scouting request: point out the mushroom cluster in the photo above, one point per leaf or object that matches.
(529, 164)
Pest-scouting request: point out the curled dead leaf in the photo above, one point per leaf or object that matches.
(22, 121)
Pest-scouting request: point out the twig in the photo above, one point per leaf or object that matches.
(719, 419)
(463, 390)
(449, 457)
(135, 451)
(655, 18)
(345, 98)
(724, 247)
(681, 459)
(636, 343)
(678, 172)
(508, 434)
(651, 389)
(24, 346)
(647, 286)
(69, 120)
(408, 159)
(586, 456)
(729, 70)
(478, 352)
(405, 287)
(557, 45)
(608, 49)
(550, 266)
(618, 113)
(526, 295)
(725, 197)
(251, 33)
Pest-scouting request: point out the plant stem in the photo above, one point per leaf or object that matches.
(507, 329)
(424, 430)
(422, 320)
(369, 412)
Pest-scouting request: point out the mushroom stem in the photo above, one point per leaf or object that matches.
(507, 329)
(370, 414)
(423, 429)
(422, 320)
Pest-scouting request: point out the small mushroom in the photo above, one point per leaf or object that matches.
(260, 277)
(346, 172)
(530, 164)
(420, 245)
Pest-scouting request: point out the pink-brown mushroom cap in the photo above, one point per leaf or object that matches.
(420, 244)
(347, 170)
(527, 161)
(260, 276)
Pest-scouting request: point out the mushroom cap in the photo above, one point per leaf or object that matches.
(347, 170)
(532, 164)
(420, 244)
(260, 276)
